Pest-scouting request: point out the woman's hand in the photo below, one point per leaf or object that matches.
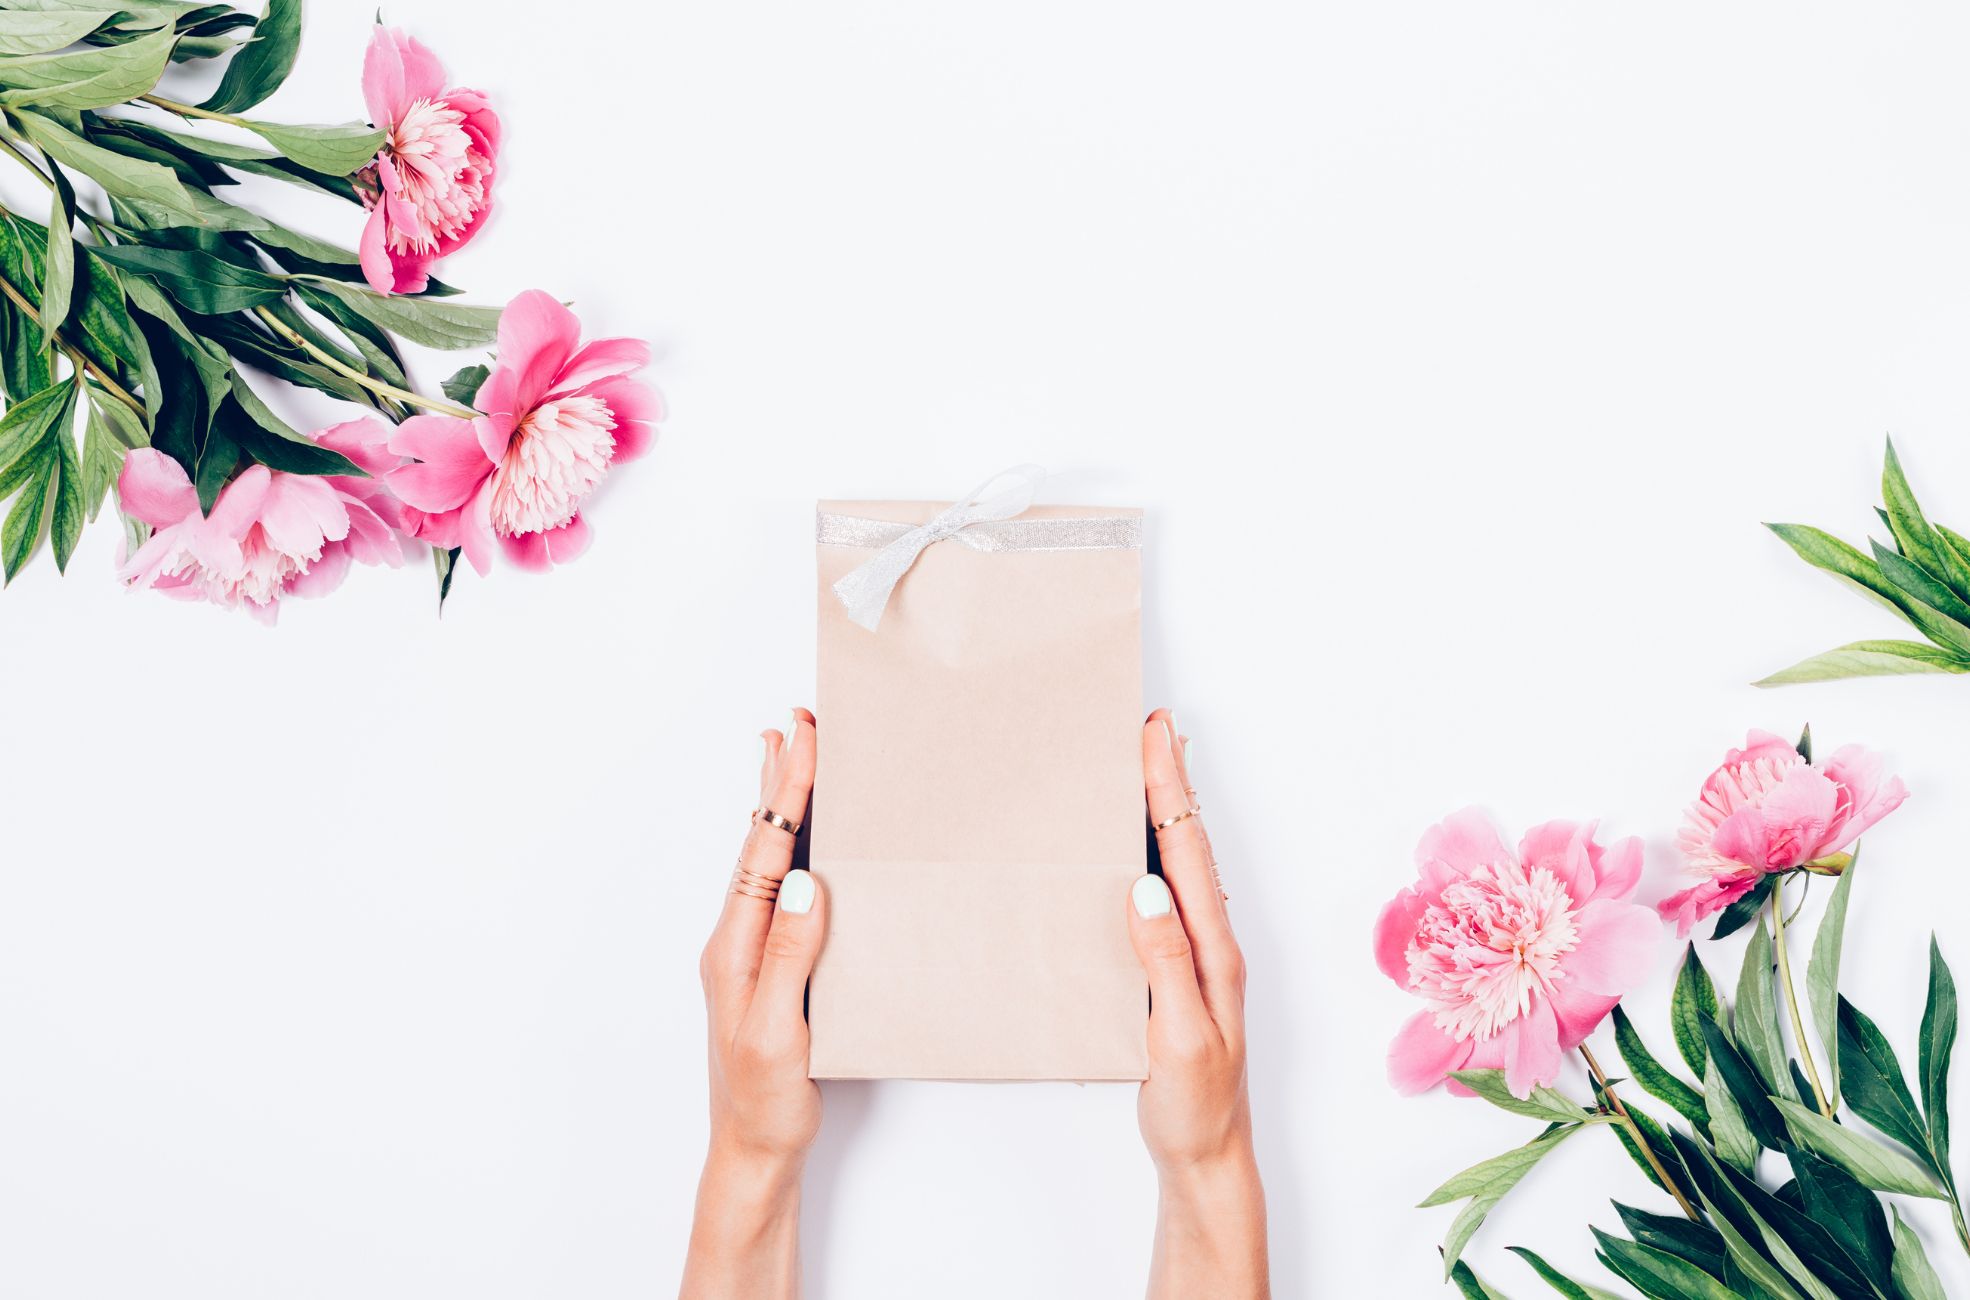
(765, 1111)
(1195, 1113)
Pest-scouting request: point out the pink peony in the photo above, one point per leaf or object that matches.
(1767, 809)
(1518, 956)
(557, 416)
(270, 534)
(431, 184)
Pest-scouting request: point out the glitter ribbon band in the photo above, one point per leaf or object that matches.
(983, 521)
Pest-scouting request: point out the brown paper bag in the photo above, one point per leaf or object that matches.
(978, 808)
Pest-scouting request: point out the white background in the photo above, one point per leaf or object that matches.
(1456, 351)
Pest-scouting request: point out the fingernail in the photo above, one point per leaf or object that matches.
(1149, 894)
(797, 893)
(793, 727)
(1186, 756)
(1170, 730)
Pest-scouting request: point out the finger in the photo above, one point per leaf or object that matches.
(1187, 864)
(777, 1017)
(1177, 1015)
(732, 958)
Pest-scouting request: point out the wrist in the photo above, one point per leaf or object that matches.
(745, 1235)
(1230, 1172)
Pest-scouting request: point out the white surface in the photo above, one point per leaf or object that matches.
(1456, 352)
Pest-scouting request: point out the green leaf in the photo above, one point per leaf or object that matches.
(1823, 979)
(1694, 1002)
(1754, 1017)
(1696, 1242)
(1933, 1054)
(1743, 1252)
(434, 322)
(95, 76)
(1660, 1272)
(1914, 1275)
(1875, 1087)
(109, 431)
(269, 439)
(1486, 1183)
(1870, 659)
(22, 528)
(1920, 584)
(200, 282)
(24, 427)
(44, 33)
(122, 176)
(263, 63)
(1837, 1218)
(1544, 1103)
(1727, 1128)
(1469, 1283)
(1739, 914)
(59, 280)
(1648, 1072)
(1917, 540)
(1559, 1281)
(1753, 1098)
(68, 510)
(446, 562)
(1874, 1165)
(465, 383)
(1824, 551)
(331, 150)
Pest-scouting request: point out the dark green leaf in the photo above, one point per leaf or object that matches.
(1753, 1099)
(1876, 1089)
(1739, 914)
(1933, 1054)
(67, 509)
(447, 565)
(199, 282)
(464, 384)
(1827, 552)
(1694, 1002)
(1696, 1242)
(1648, 1072)
(1559, 1281)
(269, 440)
(1659, 1272)
(1875, 1165)
(22, 528)
(1921, 585)
(24, 427)
(1917, 540)
(1728, 1131)
(263, 63)
(1846, 1212)
(1754, 1017)
(1468, 1283)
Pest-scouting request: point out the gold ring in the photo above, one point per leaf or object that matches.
(772, 818)
(754, 885)
(1185, 815)
(1218, 880)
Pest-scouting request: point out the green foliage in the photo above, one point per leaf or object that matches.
(1923, 575)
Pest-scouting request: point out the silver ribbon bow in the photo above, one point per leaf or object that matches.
(865, 590)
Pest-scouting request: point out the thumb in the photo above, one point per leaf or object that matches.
(1156, 930)
(792, 943)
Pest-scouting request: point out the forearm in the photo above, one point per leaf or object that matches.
(746, 1230)
(1210, 1233)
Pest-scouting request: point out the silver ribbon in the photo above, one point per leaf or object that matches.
(984, 521)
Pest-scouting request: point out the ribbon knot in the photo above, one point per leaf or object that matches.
(865, 590)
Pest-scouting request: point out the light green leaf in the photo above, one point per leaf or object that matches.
(1933, 1053)
(1913, 1273)
(1755, 1017)
(200, 282)
(1695, 1001)
(464, 384)
(1544, 1103)
(262, 63)
(1870, 659)
(94, 76)
(67, 507)
(58, 281)
(434, 322)
(1823, 980)
(44, 33)
(332, 150)
(1874, 1165)
(1824, 551)
(1727, 1127)
(109, 431)
(1485, 1184)
(121, 175)
(1920, 584)
(24, 427)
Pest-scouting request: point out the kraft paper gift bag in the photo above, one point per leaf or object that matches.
(978, 806)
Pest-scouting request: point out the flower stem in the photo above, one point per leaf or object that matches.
(1627, 1121)
(377, 386)
(190, 110)
(83, 363)
(1792, 1006)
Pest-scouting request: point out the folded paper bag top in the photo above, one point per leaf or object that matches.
(978, 806)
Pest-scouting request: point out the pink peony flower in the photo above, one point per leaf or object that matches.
(270, 534)
(431, 184)
(1518, 956)
(1767, 809)
(557, 416)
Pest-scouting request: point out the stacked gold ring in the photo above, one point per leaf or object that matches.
(774, 819)
(1185, 815)
(754, 885)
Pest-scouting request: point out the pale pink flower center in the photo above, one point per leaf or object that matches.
(1741, 785)
(557, 456)
(264, 573)
(1488, 943)
(441, 174)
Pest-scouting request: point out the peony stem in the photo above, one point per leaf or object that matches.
(1792, 1005)
(1627, 1121)
(87, 366)
(189, 110)
(377, 386)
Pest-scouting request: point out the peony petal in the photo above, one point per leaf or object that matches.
(475, 534)
(1394, 930)
(1532, 1049)
(154, 488)
(374, 253)
(537, 335)
(1561, 848)
(1423, 1055)
(1578, 1013)
(1615, 946)
(601, 359)
(1707, 899)
(323, 576)
(450, 467)
(365, 441)
(1461, 842)
(397, 72)
(568, 541)
(301, 513)
(1866, 799)
(527, 551)
(238, 506)
(1618, 870)
(1800, 814)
